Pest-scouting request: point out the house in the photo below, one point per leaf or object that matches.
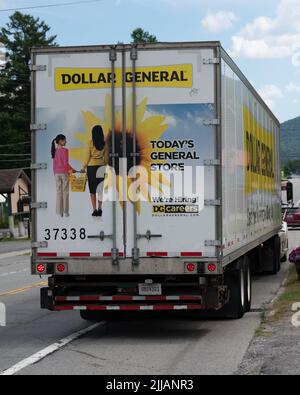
(15, 189)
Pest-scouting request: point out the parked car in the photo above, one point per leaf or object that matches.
(292, 216)
(284, 241)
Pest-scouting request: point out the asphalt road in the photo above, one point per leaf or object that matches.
(153, 346)
(9, 246)
(176, 346)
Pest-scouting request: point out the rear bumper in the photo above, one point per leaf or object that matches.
(212, 298)
(293, 224)
(146, 266)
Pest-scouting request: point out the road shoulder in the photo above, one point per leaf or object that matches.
(274, 350)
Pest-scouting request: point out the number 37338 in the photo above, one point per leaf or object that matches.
(65, 234)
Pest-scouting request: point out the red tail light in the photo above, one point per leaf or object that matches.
(60, 268)
(41, 268)
(212, 267)
(191, 267)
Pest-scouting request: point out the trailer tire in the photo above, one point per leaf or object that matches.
(276, 249)
(235, 280)
(248, 284)
(284, 259)
(270, 257)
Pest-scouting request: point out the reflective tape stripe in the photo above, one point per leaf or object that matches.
(126, 298)
(157, 254)
(131, 307)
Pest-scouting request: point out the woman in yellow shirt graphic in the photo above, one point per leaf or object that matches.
(96, 157)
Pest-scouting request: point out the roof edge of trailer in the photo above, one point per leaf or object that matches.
(106, 47)
(162, 45)
(226, 57)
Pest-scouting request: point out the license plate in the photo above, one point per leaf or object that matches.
(150, 289)
(290, 217)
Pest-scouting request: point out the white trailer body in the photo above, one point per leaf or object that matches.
(181, 114)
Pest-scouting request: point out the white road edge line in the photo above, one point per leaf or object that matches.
(14, 254)
(35, 358)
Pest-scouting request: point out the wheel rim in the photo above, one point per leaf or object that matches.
(242, 289)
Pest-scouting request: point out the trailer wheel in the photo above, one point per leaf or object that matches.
(276, 255)
(284, 259)
(235, 280)
(248, 284)
(270, 257)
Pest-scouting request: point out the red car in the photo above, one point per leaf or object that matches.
(292, 216)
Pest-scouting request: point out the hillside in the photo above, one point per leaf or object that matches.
(290, 140)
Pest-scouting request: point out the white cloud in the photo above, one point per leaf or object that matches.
(169, 119)
(219, 21)
(273, 38)
(271, 93)
(293, 88)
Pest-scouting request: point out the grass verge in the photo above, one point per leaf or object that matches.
(282, 307)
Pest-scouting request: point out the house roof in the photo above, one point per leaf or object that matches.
(8, 179)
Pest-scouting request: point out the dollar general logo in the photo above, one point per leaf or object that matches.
(2, 314)
(178, 76)
(260, 155)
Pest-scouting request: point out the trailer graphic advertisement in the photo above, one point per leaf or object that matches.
(169, 155)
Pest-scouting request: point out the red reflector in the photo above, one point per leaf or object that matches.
(41, 268)
(191, 267)
(61, 268)
(212, 267)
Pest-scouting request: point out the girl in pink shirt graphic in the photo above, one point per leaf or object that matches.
(62, 170)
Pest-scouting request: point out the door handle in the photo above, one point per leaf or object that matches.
(148, 236)
(102, 236)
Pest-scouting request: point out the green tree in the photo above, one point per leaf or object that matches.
(140, 36)
(20, 34)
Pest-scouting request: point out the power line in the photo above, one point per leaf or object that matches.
(8, 155)
(16, 160)
(12, 145)
(50, 5)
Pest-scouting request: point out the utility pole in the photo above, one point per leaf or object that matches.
(2, 56)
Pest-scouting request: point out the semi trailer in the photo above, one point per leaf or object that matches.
(181, 203)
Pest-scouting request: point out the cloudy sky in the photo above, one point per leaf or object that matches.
(262, 36)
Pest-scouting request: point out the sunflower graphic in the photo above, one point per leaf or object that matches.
(149, 127)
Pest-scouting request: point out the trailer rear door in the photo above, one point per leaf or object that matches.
(157, 110)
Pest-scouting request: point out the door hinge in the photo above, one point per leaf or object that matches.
(213, 243)
(35, 67)
(113, 54)
(39, 244)
(212, 162)
(211, 61)
(38, 205)
(212, 202)
(149, 235)
(38, 126)
(211, 122)
(39, 166)
(134, 53)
